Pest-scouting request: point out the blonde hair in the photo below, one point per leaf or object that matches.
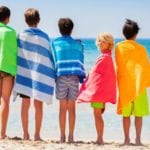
(106, 37)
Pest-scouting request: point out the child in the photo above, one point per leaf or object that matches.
(8, 66)
(35, 76)
(133, 75)
(100, 86)
(68, 55)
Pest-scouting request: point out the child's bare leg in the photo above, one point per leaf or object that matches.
(62, 119)
(6, 88)
(0, 89)
(126, 128)
(138, 127)
(99, 123)
(24, 117)
(38, 119)
(72, 117)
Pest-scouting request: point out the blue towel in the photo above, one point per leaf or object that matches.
(69, 58)
(35, 72)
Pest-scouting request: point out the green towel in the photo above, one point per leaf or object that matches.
(8, 50)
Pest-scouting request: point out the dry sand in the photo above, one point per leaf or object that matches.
(17, 144)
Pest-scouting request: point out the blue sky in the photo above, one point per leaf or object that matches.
(90, 16)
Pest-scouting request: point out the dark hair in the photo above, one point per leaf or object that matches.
(4, 13)
(32, 16)
(65, 26)
(130, 29)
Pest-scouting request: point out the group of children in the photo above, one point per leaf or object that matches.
(31, 65)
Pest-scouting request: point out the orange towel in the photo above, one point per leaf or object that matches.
(133, 71)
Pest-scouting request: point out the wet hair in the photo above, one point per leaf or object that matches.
(65, 26)
(32, 16)
(4, 13)
(130, 29)
(106, 37)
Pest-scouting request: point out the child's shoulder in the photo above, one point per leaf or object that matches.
(100, 59)
(57, 39)
(35, 31)
(9, 29)
(140, 45)
(63, 40)
(120, 43)
(104, 59)
(129, 42)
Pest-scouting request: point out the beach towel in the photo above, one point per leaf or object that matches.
(8, 50)
(35, 76)
(133, 71)
(100, 85)
(69, 57)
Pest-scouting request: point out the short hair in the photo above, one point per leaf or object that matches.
(130, 29)
(65, 26)
(106, 37)
(32, 16)
(4, 13)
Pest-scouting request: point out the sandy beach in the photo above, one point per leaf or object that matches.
(17, 144)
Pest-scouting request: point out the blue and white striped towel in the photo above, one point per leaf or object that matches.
(35, 72)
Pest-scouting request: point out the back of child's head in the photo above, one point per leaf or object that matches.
(106, 37)
(4, 13)
(65, 26)
(130, 29)
(32, 16)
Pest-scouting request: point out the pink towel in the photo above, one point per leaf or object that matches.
(100, 85)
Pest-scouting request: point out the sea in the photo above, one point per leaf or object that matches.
(85, 126)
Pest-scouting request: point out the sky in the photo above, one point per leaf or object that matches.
(90, 17)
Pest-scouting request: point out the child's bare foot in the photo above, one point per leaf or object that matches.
(138, 142)
(126, 142)
(63, 139)
(70, 139)
(2, 137)
(37, 138)
(99, 142)
(26, 137)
